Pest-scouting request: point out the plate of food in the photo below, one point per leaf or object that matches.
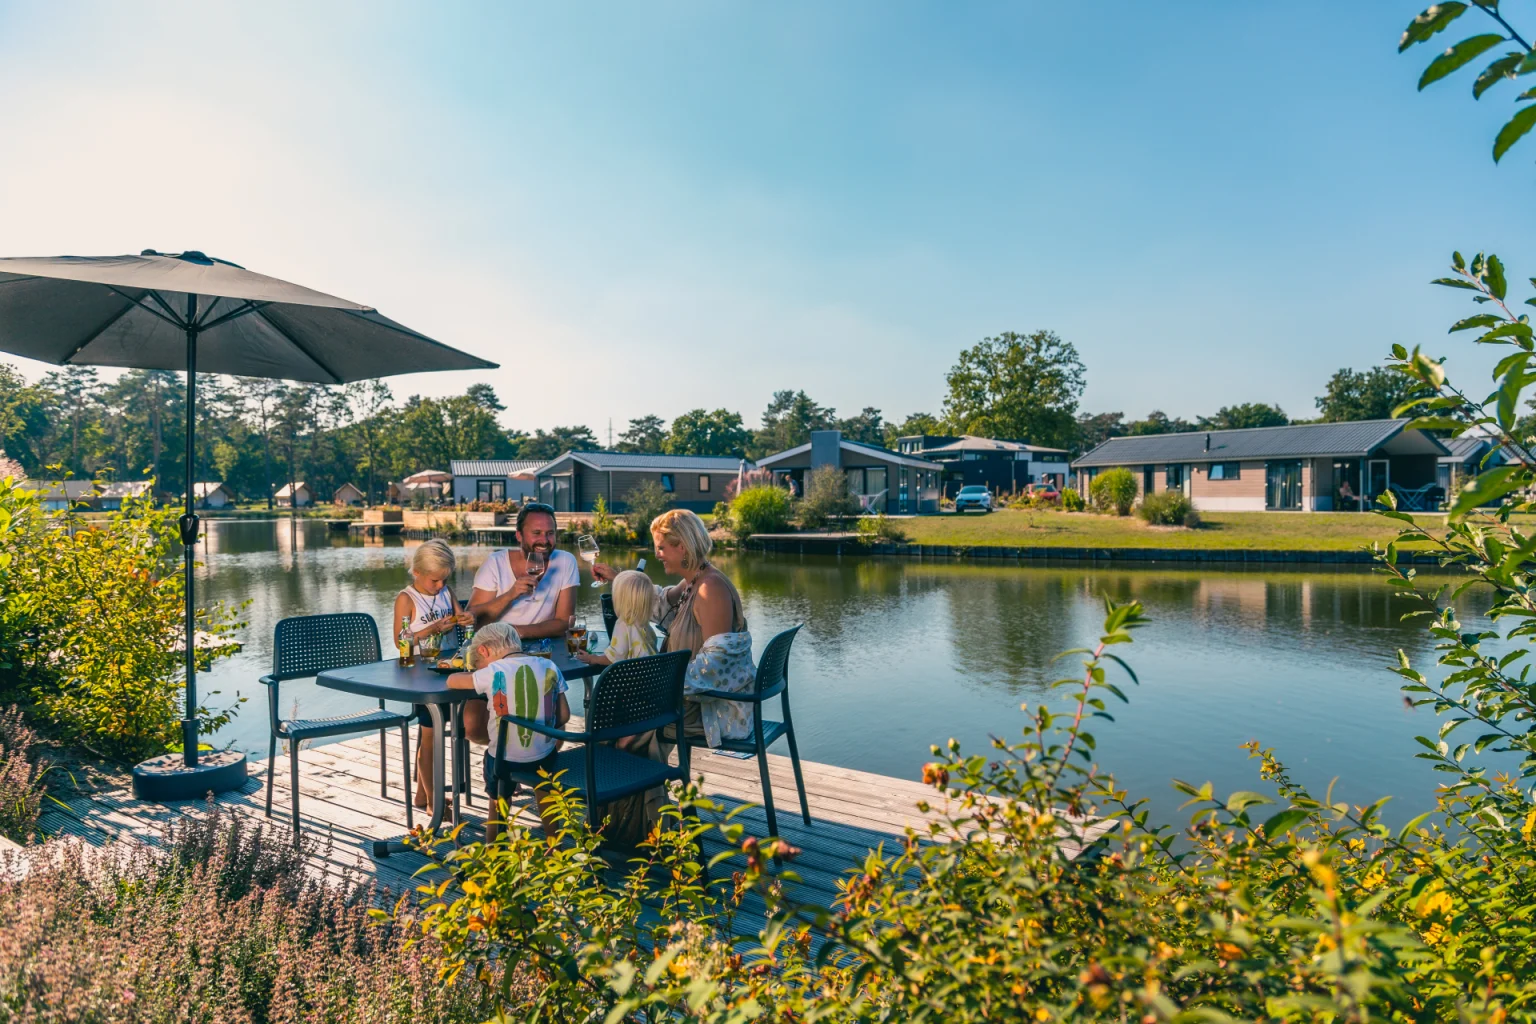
(447, 665)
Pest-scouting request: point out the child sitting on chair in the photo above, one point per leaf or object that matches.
(634, 596)
(524, 685)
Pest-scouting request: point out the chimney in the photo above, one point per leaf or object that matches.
(1207, 442)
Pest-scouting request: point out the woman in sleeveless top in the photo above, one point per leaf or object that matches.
(429, 605)
(704, 616)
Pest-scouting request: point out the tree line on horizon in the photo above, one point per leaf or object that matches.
(255, 435)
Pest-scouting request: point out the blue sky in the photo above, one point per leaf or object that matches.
(651, 207)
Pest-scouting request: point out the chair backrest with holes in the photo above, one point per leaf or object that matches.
(307, 645)
(773, 666)
(638, 694)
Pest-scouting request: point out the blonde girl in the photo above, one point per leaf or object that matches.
(634, 597)
(428, 608)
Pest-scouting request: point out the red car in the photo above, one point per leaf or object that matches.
(1050, 492)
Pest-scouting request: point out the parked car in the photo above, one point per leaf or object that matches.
(974, 496)
(1047, 492)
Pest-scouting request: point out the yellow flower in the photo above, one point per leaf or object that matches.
(1437, 902)
(1529, 827)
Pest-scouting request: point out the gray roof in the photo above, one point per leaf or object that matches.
(493, 467)
(971, 443)
(1297, 441)
(656, 462)
(1465, 447)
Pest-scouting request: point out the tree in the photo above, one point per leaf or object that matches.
(23, 420)
(435, 431)
(261, 397)
(697, 432)
(77, 389)
(559, 441)
(867, 426)
(1244, 416)
(1371, 395)
(915, 424)
(1021, 386)
(367, 401)
(1093, 429)
(1159, 422)
(788, 422)
(645, 434)
(484, 396)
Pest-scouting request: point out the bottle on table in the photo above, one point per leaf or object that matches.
(406, 644)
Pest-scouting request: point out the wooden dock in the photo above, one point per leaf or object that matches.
(851, 811)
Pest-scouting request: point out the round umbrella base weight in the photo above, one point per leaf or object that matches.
(167, 779)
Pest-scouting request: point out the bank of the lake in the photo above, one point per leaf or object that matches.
(898, 654)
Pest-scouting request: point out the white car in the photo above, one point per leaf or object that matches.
(974, 496)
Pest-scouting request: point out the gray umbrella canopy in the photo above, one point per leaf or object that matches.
(132, 311)
(198, 314)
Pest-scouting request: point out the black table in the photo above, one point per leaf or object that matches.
(419, 684)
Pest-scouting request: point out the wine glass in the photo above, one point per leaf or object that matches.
(536, 564)
(586, 547)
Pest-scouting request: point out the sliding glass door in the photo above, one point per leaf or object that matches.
(1282, 485)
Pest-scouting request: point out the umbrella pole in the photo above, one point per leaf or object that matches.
(188, 524)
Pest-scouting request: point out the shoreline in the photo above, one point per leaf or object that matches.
(848, 544)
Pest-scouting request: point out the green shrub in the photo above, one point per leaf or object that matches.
(91, 625)
(881, 529)
(1168, 508)
(1114, 491)
(761, 509)
(642, 504)
(1072, 501)
(826, 501)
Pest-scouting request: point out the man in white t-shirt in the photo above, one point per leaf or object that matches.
(504, 592)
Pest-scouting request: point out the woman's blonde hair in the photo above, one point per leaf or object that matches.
(433, 556)
(500, 637)
(634, 595)
(683, 527)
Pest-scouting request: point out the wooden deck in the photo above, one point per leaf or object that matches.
(852, 811)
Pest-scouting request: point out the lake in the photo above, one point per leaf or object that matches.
(898, 654)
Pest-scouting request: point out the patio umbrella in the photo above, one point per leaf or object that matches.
(428, 476)
(188, 311)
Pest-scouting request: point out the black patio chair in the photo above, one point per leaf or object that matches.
(632, 697)
(305, 646)
(772, 681)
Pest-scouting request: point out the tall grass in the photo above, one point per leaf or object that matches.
(221, 924)
(22, 768)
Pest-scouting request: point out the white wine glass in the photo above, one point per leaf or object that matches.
(536, 564)
(587, 548)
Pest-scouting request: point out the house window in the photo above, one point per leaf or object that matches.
(490, 490)
(703, 483)
(1226, 470)
(1173, 476)
(666, 483)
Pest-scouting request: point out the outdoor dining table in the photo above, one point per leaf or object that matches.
(423, 684)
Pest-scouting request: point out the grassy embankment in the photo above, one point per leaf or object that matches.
(1258, 531)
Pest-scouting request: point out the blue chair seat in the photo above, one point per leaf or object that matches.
(312, 728)
(748, 745)
(619, 773)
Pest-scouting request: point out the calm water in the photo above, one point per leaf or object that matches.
(899, 654)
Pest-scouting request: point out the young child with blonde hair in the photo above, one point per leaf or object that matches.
(516, 684)
(634, 598)
(429, 610)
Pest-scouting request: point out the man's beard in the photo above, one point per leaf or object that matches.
(543, 549)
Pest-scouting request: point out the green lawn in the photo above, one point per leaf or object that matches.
(1297, 531)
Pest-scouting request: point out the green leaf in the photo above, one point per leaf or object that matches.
(1456, 282)
(1496, 72)
(1514, 130)
(1484, 488)
(1432, 20)
(1480, 320)
(1458, 56)
(1509, 397)
(1433, 423)
(1243, 799)
(1283, 822)
(1516, 361)
(1494, 276)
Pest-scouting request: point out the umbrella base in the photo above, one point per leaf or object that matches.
(167, 779)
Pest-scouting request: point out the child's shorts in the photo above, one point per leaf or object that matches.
(488, 771)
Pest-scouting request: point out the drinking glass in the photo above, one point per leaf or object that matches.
(536, 563)
(586, 548)
(576, 637)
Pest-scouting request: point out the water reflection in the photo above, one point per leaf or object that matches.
(897, 655)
